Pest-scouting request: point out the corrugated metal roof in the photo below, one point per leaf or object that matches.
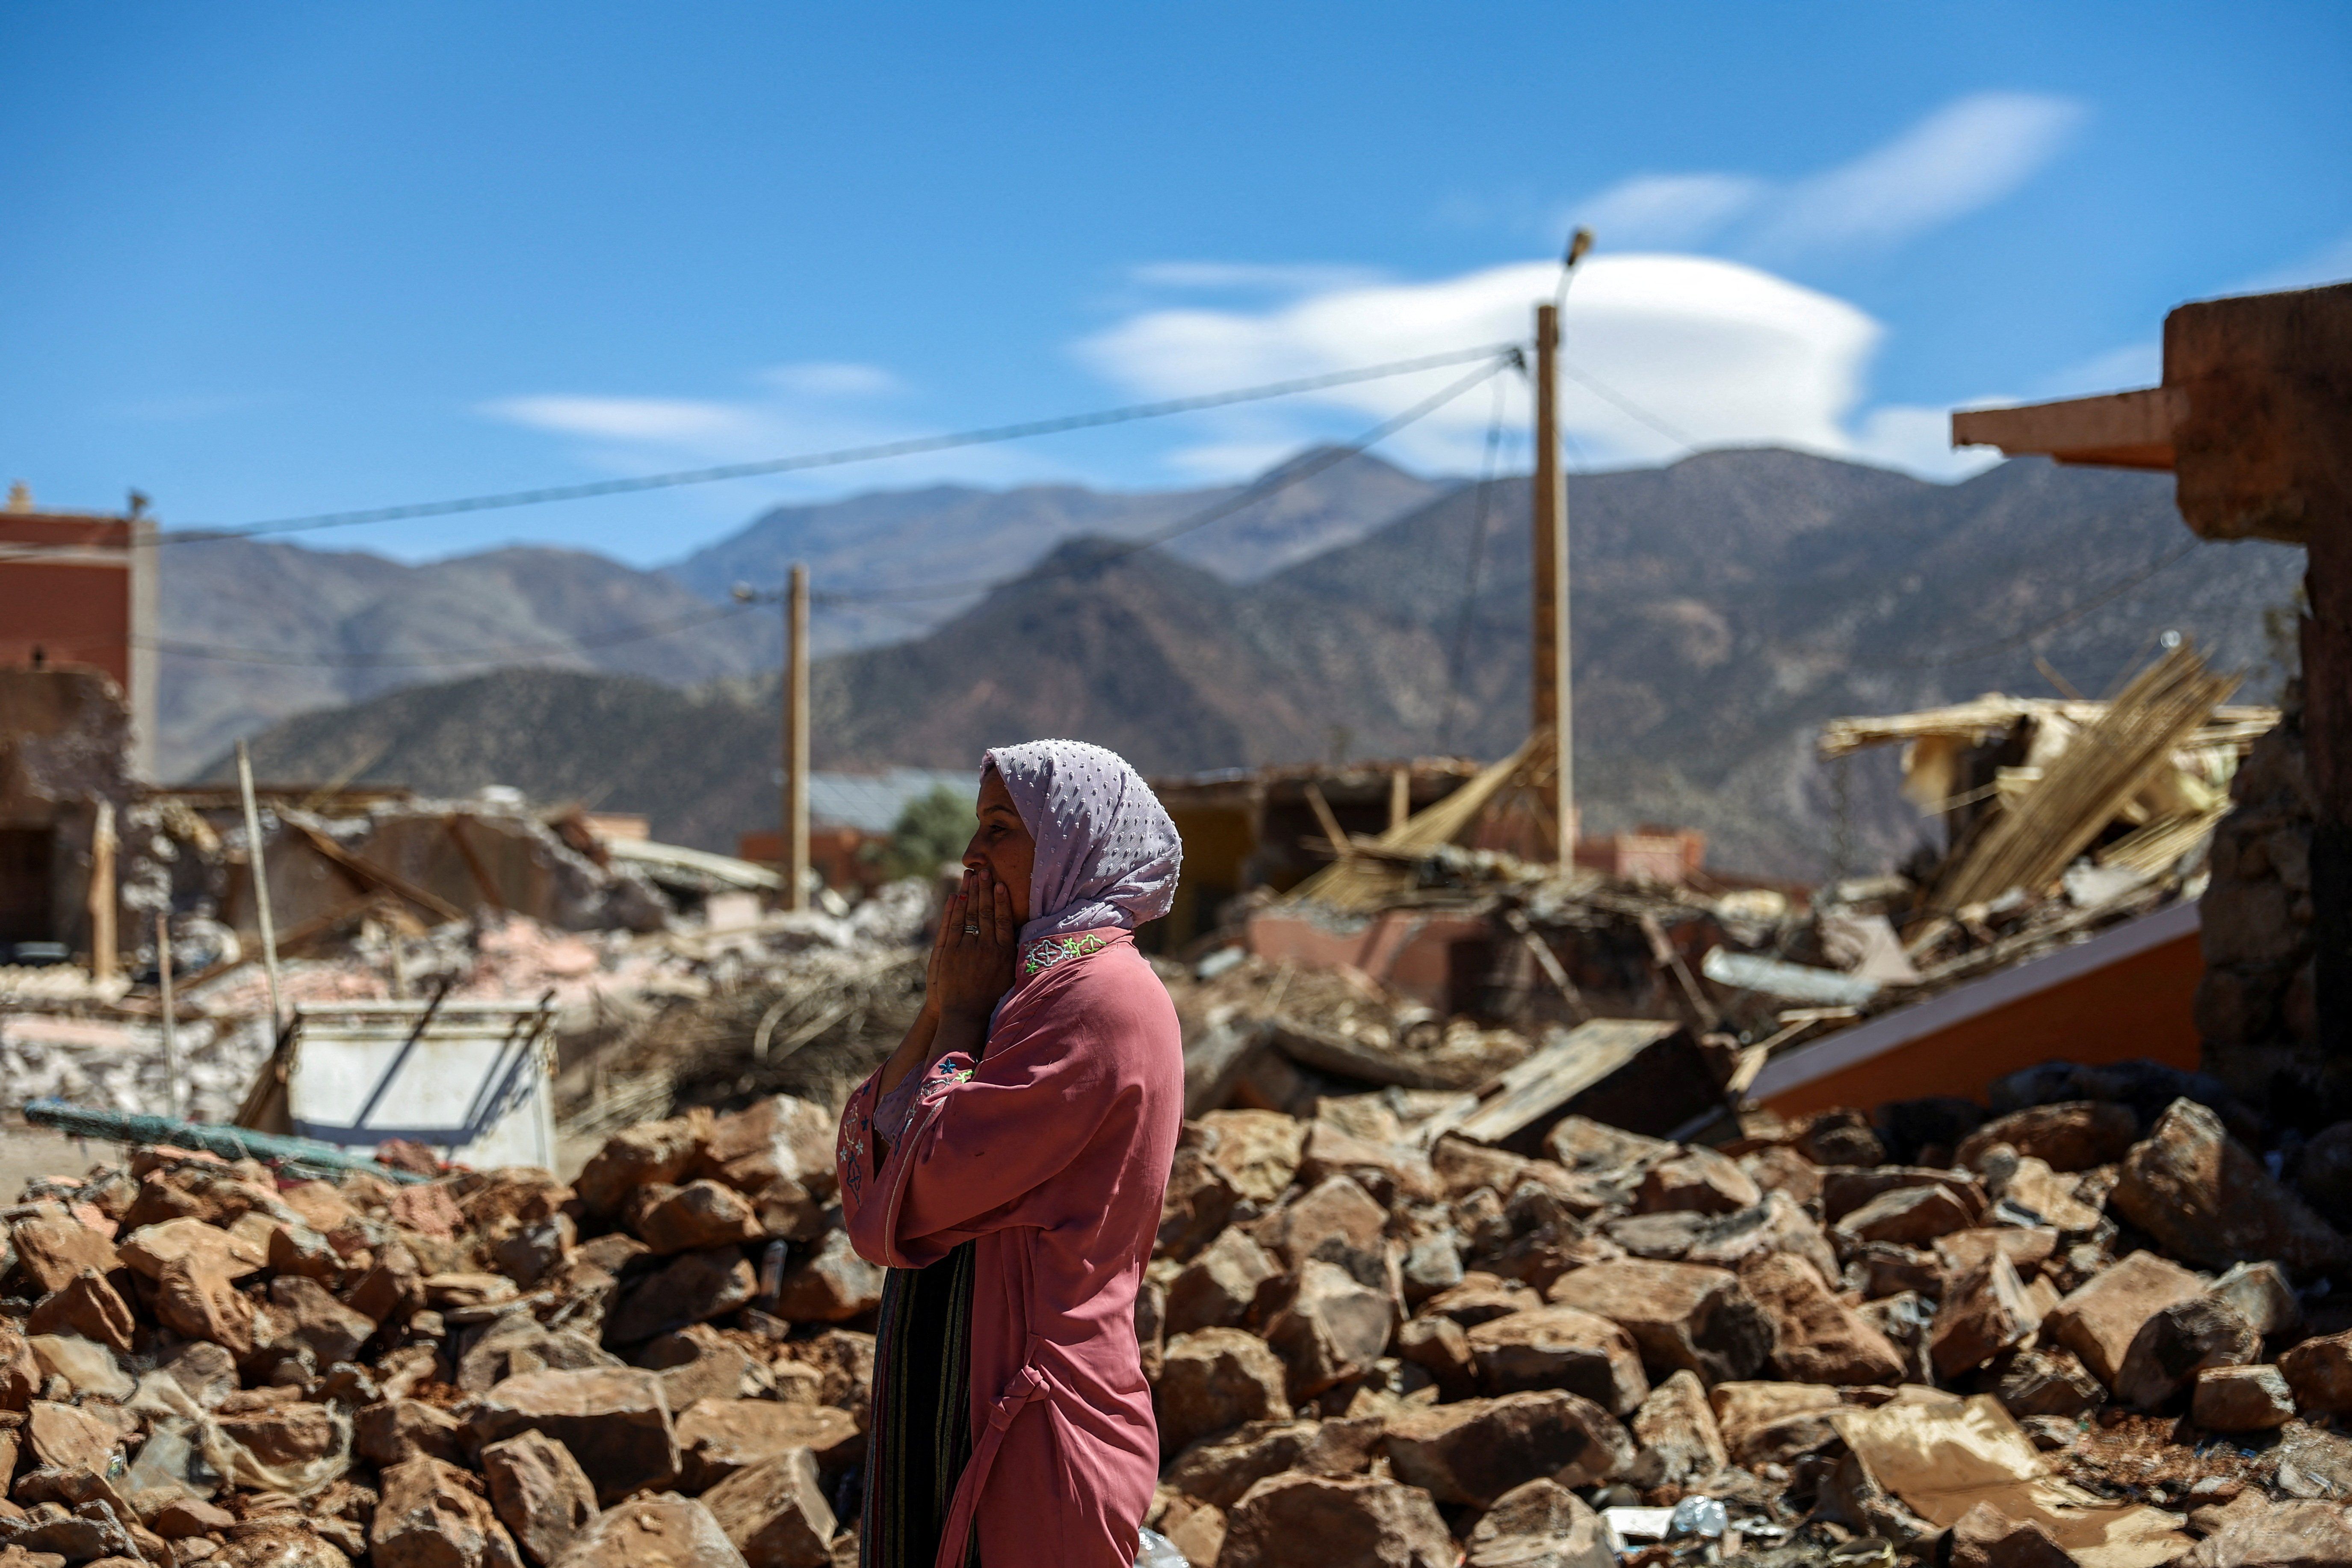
(872, 802)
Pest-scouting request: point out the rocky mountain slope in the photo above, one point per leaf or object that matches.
(1723, 607)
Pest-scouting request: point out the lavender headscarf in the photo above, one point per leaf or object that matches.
(1107, 853)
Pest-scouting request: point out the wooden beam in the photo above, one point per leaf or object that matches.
(2119, 430)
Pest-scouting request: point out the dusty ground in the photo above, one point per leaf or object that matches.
(29, 1151)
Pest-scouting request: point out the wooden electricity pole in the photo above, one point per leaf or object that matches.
(1553, 699)
(797, 741)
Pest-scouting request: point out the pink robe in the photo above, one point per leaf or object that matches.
(1052, 1152)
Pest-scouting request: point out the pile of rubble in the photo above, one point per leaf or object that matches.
(2095, 1327)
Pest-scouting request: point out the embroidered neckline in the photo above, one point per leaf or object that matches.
(1049, 951)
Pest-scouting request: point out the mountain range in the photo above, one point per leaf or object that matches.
(1723, 606)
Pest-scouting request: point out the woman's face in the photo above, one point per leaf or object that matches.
(1002, 847)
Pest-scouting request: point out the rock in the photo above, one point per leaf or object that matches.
(696, 1286)
(1255, 1151)
(1539, 1525)
(88, 1306)
(527, 1254)
(1560, 1347)
(1984, 1537)
(64, 1437)
(2206, 1199)
(831, 1286)
(1840, 1137)
(1580, 1144)
(1844, 1190)
(719, 1437)
(517, 1344)
(636, 1157)
(698, 1363)
(1198, 1202)
(1984, 1312)
(53, 1251)
(2319, 1371)
(1214, 1379)
(391, 1290)
(1439, 1346)
(1697, 1180)
(1195, 1528)
(288, 1435)
(2262, 1296)
(2073, 1136)
(691, 1218)
(1220, 1469)
(2028, 1248)
(1680, 1315)
(1776, 1225)
(20, 1372)
(1751, 1416)
(431, 1516)
(539, 1492)
(663, 1531)
(1327, 1327)
(2241, 1399)
(1463, 1167)
(1217, 1288)
(1334, 1222)
(775, 1512)
(1817, 1338)
(272, 1545)
(1390, 1174)
(1675, 1424)
(1909, 1216)
(309, 1317)
(1475, 1450)
(2049, 1382)
(2176, 1344)
(1775, 1168)
(1335, 1522)
(2284, 1536)
(91, 1530)
(2100, 1318)
(615, 1422)
(398, 1430)
(1480, 1296)
(1150, 1326)
(191, 1300)
(187, 1516)
(779, 1136)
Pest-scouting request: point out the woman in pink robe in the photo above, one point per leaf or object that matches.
(1007, 1165)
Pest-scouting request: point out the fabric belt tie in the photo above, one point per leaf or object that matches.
(1027, 1387)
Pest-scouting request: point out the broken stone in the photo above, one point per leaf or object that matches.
(831, 1286)
(312, 1318)
(1675, 1424)
(1198, 1202)
(432, 1516)
(517, 1344)
(1220, 1469)
(615, 1423)
(1777, 1224)
(1391, 1174)
(1255, 1151)
(1748, 1413)
(2241, 1399)
(2176, 1344)
(291, 1436)
(2049, 1382)
(1288, 1519)
(52, 1252)
(1697, 1180)
(719, 1437)
(539, 1492)
(2319, 1371)
(398, 1430)
(1475, 1450)
(1439, 1347)
(780, 1136)
(1984, 1312)
(1560, 1347)
(2284, 1536)
(698, 1363)
(662, 1530)
(2099, 1321)
(1984, 1537)
(775, 1512)
(1539, 1525)
(701, 1214)
(1218, 1288)
(2073, 1136)
(1680, 1315)
(1911, 1217)
(2262, 1295)
(2205, 1198)
(1334, 1222)
(1212, 1380)
(636, 1157)
(87, 1307)
(1327, 1327)
(192, 1300)
(1817, 1338)
(2028, 1248)
(696, 1286)
(64, 1437)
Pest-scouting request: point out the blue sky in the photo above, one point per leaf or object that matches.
(268, 259)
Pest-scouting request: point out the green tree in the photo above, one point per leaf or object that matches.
(932, 828)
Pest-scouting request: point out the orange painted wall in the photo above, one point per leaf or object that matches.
(2136, 1007)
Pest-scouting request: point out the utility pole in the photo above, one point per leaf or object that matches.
(796, 741)
(1553, 699)
(1554, 716)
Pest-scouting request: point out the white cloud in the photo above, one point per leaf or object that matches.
(1917, 440)
(1713, 351)
(1965, 156)
(1243, 275)
(2119, 369)
(2330, 263)
(619, 418)
(1669, 210)
(822, 379)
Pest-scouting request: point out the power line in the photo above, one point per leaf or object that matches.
(1282, 479)
(836, 457)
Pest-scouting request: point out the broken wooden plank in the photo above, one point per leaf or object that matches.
(1645, 1075)
(1404, 1066)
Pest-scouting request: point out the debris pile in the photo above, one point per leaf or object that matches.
(2094, 1326)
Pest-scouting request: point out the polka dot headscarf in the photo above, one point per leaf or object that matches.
(1107, 853)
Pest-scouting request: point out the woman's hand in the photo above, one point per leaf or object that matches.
(971, 967)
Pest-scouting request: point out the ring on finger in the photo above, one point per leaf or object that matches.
(972, 931)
